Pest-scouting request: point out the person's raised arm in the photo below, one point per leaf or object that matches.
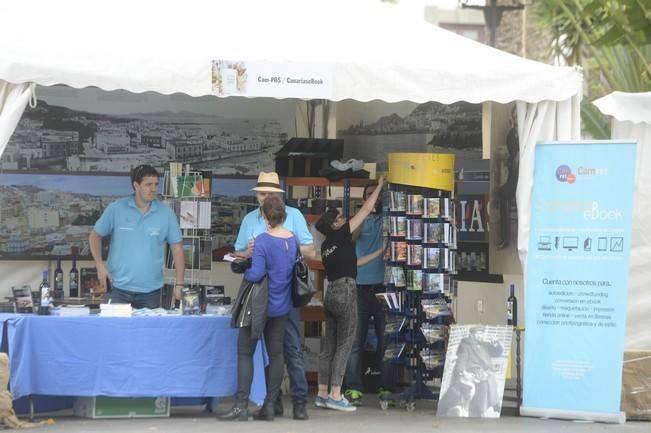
(367, 207)
(95, 243)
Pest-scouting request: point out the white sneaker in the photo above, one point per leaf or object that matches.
(355, 164)
(341, 166)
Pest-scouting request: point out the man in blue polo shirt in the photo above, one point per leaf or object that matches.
(140, 226)
(252, 225)
(368, 238)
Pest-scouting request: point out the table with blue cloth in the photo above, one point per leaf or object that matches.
(156, 356)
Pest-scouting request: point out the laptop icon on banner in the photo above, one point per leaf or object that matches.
(545, 243)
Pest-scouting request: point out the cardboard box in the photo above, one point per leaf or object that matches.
(121, 407)
(636, 385)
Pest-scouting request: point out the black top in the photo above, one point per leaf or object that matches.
(338, 254)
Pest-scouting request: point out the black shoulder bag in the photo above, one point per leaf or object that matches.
(302, 287)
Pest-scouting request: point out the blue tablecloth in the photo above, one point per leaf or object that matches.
(175, 356)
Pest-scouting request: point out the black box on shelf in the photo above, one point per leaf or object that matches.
(307, 156)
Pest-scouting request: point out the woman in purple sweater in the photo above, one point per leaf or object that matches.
(274, 255)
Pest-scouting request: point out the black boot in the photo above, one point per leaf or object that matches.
(300, 411)
(239, 412)
(278, 406)
(266, 412)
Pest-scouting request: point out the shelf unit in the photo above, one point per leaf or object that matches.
(421, 231)
(319, 190)
(191, 213)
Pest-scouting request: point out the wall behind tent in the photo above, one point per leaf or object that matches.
(94, 130)
(373, 129)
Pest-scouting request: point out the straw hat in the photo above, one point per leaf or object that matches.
(268, 182)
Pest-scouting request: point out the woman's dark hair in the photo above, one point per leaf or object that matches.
(141, 171)
(324, 224)
(273, 209)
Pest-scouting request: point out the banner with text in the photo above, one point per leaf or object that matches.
(577, 279)
(272, 79)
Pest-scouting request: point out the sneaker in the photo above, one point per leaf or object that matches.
(342, 405)
(354, 397)
(320, 402)
(355, 164)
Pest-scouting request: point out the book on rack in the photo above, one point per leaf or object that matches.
(190, 185)
(193, 214)
(175, 171)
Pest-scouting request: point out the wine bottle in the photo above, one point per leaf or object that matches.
(57, 293)
(44, 296)
(512, 308)
(74, 280)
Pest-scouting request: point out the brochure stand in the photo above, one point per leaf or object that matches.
(421, 263)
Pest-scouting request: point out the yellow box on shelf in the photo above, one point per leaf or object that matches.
(427, 170)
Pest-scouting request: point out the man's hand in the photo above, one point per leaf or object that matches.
(249, 248)
(177, 292)
(102, 275)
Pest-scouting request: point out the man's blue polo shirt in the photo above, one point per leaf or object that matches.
(253, 224)
(371, 239)
(137, 250)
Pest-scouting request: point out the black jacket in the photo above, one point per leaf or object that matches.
(250, 307)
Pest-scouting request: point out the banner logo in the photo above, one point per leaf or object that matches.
(564, 174)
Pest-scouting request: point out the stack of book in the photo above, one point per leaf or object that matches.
(115, 310)
(70, 311)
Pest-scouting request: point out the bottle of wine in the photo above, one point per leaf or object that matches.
(74, 280)
(512, 308)
(44, 296)
(57, 293)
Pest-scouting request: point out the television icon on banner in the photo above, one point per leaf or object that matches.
(602, 244)
(570, 242)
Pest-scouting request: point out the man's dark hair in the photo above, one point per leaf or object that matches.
(273, 209)
(143, 170)
(324, 224)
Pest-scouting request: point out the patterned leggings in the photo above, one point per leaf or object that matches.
(340, 306)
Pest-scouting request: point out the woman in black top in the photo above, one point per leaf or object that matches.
(340, 299)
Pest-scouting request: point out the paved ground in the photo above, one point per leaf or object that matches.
(368, 418)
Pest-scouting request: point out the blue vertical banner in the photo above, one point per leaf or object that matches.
(577, 279)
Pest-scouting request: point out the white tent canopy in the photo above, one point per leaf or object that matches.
(362, 49)
(369, 50)
(631, 114)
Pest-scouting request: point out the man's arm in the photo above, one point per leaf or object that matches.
(95, 243)
(361, 261)
(179, 268)
(308, 251)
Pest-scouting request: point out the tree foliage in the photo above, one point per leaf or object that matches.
(609, 39)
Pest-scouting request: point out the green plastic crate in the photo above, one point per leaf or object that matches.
(122, 407)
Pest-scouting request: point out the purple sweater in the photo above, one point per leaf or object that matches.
(275, 258)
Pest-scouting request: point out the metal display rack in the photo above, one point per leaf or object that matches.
(421, 231)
